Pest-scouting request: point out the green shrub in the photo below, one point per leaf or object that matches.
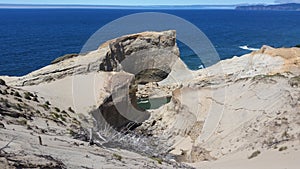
(297, 46)
(63, 118)
(71, 110)
(17, 94)
(56, 109)
(282, 148)
(71, 132)
(27, 96)
(30, 94)
(55, 115)
(285, 134)
(2, 82)
(118, 157)
(5, 92)
(18, 99)
(35, 99)
(22, 122)
(25, 105)
(45, 106)
(29, 127)
(74, 120)
(6, 104)
(254, 154)
(159, 160)
(58, 116)
(295, 81)
(18, 107)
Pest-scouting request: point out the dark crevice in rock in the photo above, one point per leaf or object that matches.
(150, 75)
(110, 113)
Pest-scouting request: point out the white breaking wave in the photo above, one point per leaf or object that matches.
(144, 101)
(201, 67)
(247, 48)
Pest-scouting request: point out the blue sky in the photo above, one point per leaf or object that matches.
(145, 2)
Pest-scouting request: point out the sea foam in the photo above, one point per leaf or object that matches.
(245, 47)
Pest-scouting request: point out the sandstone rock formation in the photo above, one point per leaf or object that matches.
(81, 88)
(138, 54)
(226, 111)
(239, 108)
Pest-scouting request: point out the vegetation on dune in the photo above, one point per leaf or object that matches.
(65, 57)
(18, 99)
(117, 157)
(22, 122)
(71, 110)
(27, 95)
(17, 94)
(6, 104)
(260, 77)
(35, 99)
(45, 106)
(254, 154)
(56, 109)
(283, 148)
(2, 82)
(58, 116)
(295, 81)
(5, 92)
(159, 160)
(17, 107)
(71, 132)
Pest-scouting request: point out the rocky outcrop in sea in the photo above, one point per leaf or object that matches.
(276, 7)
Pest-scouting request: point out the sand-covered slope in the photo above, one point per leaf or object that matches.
(244, 104)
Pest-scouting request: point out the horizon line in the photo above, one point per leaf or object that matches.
(20, 6)
(117, 5)
(95, 6)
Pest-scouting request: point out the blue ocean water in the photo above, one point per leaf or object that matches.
(32, 38)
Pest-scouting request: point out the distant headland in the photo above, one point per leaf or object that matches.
(279, 7)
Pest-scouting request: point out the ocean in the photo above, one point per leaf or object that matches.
(32, 38)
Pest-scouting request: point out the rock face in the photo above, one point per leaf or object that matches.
(105, 76)
(132, 53)
(235, 109)
(136, 52)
